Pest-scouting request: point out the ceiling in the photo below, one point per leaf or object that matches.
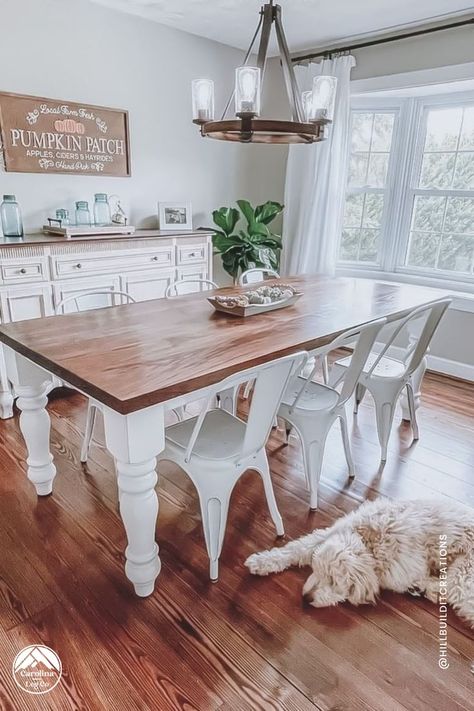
(308, 23)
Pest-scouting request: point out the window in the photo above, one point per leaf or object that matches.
(410, 191)
(367, 185)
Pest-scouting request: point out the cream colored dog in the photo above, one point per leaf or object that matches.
(422, 547)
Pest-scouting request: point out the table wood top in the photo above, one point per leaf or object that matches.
(133, 356)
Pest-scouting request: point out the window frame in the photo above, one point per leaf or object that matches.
(404, 168)
(383, 106)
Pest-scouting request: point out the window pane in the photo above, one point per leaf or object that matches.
(464, 172)
(373, 210)
(361, 131)
(423, 249)
(353, 210)
(349, 245)
(358, 170)
(377, 173)
(382, 132)
(371, 143)
(460, 215)
(457, 253)
(467, 133)
(428, 213)
(437, 170)
(369, 241)
(442, 129)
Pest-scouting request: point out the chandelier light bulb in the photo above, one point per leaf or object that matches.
(324, 97)
(247, 90)
(203, 100)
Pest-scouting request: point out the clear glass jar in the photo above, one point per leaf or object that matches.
(63, 215)
(12, 224)
(83, 216)
(101, 210)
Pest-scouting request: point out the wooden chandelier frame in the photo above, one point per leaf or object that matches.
(247, 128)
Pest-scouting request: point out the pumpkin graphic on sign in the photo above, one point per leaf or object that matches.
(69, 126)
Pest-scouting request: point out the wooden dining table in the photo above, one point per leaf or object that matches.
(137, 360)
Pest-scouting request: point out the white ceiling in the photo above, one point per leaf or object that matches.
(308, 23)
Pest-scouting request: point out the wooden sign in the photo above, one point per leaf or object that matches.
(49, 136)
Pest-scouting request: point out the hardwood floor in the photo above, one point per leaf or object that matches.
(245, 642)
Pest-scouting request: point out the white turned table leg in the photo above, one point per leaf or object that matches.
(134, 440)
(31, 385)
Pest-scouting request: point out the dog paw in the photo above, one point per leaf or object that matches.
(261, 564)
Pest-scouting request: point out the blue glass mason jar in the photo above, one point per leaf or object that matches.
(12, 224)
(101, 210)
(63, 215)
(83, 216)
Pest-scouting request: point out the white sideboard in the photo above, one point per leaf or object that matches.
(37, 272)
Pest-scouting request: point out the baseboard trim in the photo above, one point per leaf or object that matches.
(463, 371)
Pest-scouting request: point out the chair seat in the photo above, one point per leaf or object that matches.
(386, 368)
(221, 435)
(315, 397)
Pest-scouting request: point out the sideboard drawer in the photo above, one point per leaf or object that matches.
(21, 272)
(105, 264)
(192, 253)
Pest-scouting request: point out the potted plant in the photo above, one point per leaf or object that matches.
(254, 245)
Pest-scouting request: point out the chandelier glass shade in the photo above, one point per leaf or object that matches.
(311, 111)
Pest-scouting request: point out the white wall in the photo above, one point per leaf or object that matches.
(80, 51)
(438, 49)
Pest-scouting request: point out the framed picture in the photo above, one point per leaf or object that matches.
(175, 215)
(41, 135)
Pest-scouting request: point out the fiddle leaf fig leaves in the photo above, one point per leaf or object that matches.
(254, 246)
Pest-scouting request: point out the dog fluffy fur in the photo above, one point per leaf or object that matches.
(385, 545)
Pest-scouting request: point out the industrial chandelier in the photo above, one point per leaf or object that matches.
(311, 110)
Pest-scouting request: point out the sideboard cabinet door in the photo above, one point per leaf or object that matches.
(146, 285)
(198, 272)
(20, 303)
(76, 287)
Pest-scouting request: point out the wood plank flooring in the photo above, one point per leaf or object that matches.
(245, 642)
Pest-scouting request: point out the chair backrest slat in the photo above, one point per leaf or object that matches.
(253, 276)
(433, 314)
(174, 288)
(76, 298)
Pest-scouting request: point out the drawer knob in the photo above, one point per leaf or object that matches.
(192, 254)
(23, 270)
(155, 258)
(78, 265)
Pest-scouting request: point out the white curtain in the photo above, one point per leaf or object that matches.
(316, 179)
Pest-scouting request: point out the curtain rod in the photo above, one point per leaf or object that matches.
(382, 40)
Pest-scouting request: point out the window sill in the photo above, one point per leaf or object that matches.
(462, 293)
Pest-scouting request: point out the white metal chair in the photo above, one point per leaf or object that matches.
(116, 298)
(385, 376)
(177, 286)
(252, 276)
(312, 408)
(216, 448)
